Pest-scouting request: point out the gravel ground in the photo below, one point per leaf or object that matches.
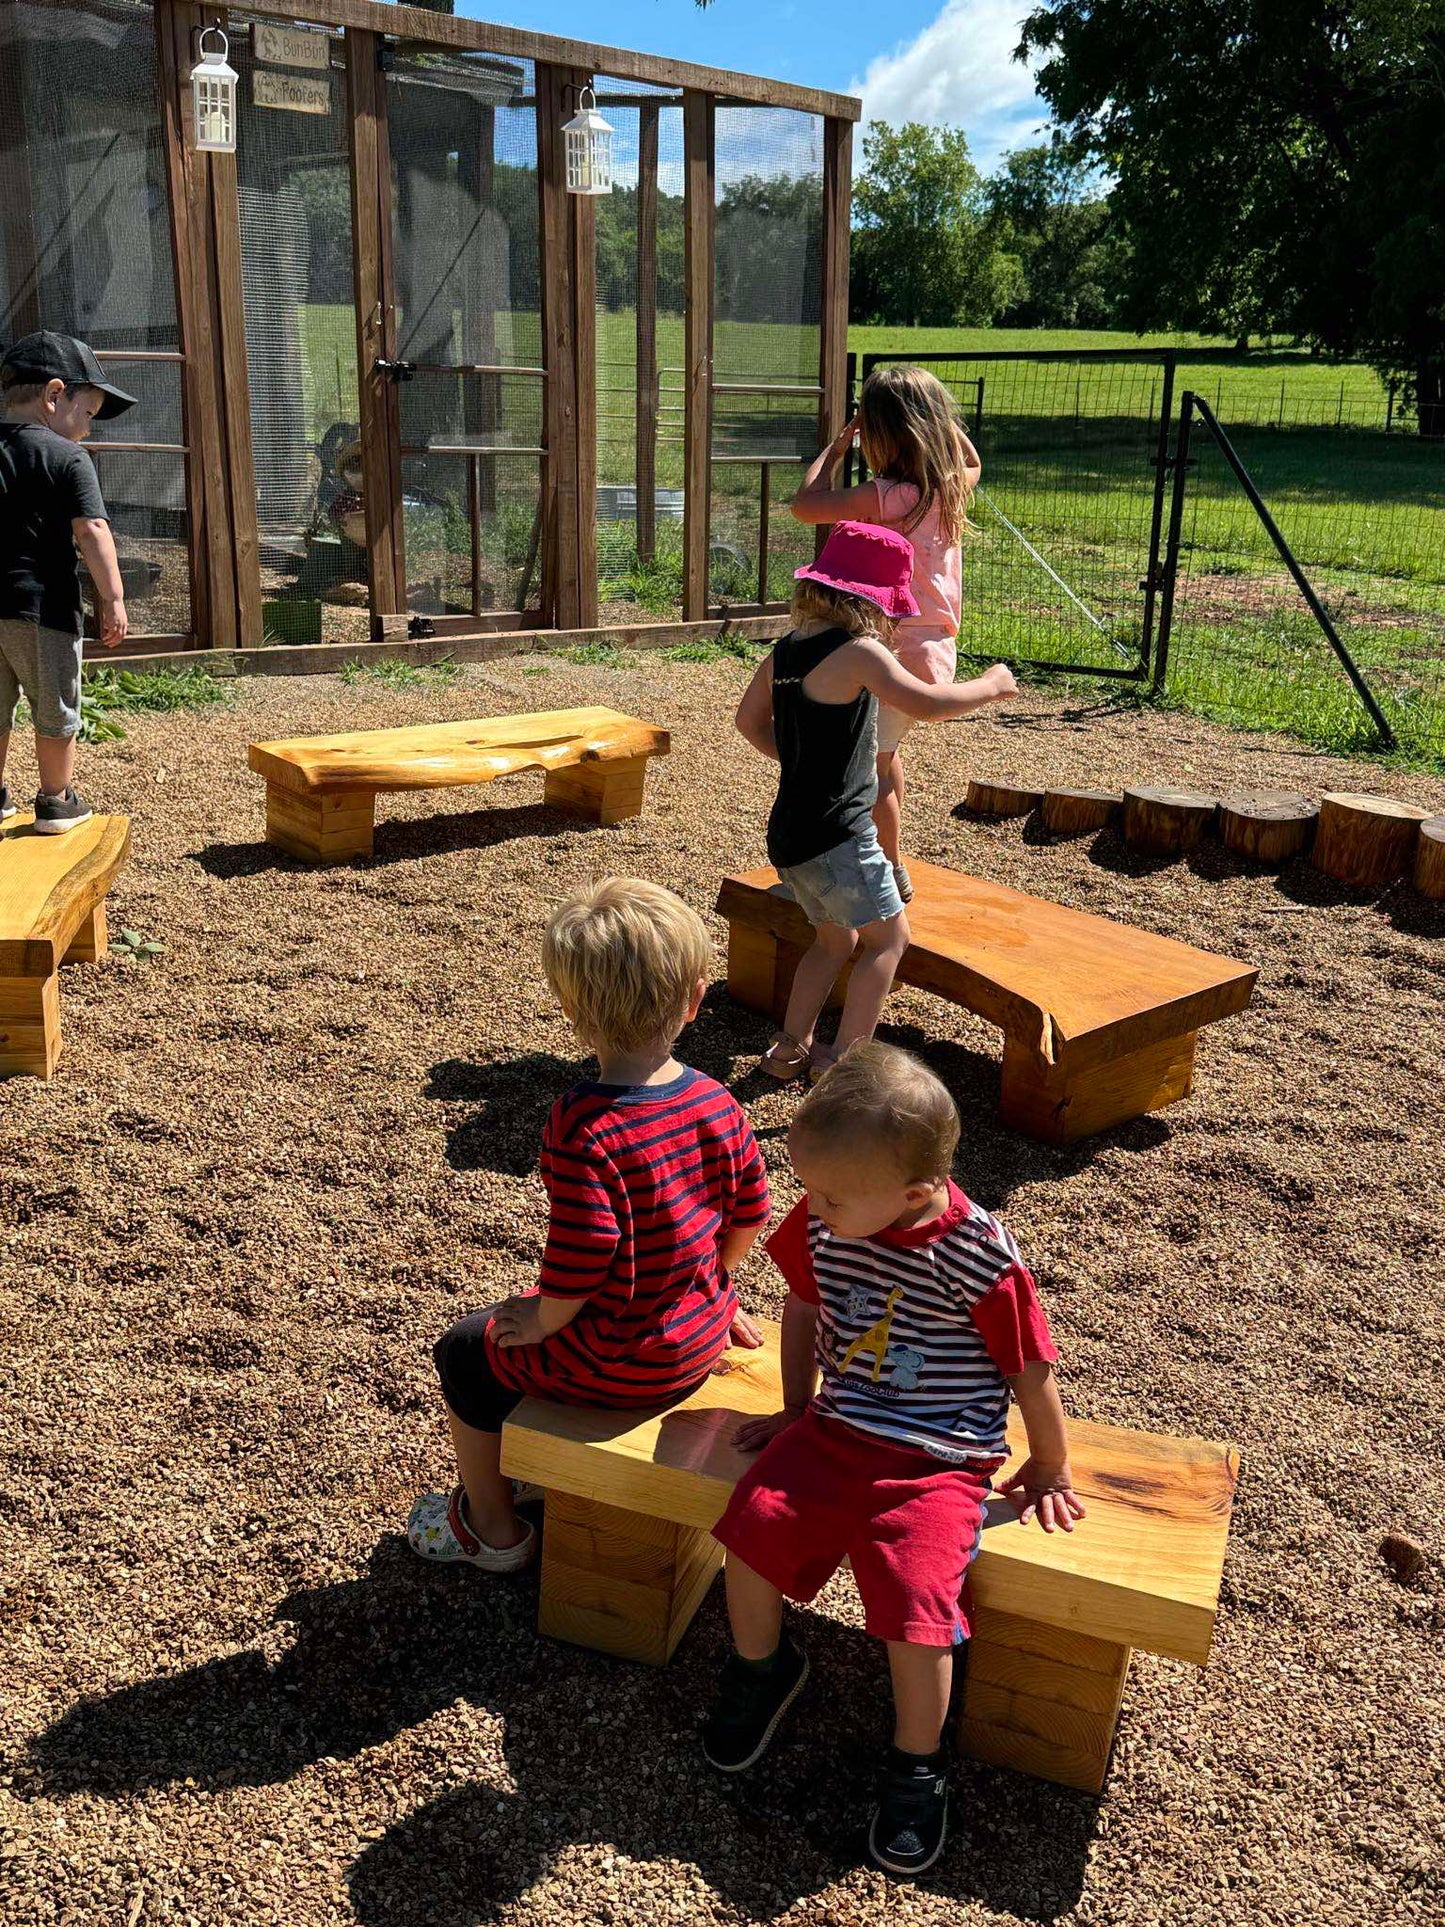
(276, 1162)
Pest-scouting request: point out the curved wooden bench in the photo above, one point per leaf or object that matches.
(52, 911)
(627, 1557)
(321, 791)
(1099, 1019)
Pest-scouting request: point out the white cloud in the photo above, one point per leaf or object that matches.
(960, 72)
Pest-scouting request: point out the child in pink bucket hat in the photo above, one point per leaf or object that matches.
(813, 708)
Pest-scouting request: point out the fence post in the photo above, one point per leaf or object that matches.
(1156, 518)
(1171, 550)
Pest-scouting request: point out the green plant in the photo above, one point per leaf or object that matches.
(595, 655)
(107, 690)
(394, 672)
(136, 947)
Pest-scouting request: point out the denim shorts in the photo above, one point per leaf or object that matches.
(45, 665)
(849, 886)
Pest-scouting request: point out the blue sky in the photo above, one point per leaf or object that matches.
(946, 62)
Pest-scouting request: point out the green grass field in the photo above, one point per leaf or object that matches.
(1068, 461)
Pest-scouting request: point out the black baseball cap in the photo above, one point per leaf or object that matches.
(45, 356)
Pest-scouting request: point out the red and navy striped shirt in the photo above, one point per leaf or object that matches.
(644, 1183)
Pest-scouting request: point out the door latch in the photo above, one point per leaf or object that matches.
(394, 370)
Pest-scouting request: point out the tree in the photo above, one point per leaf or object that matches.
(1071, 254)
(924, 251)
(1280, 165)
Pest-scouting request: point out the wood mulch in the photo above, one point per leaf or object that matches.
(275, 1163)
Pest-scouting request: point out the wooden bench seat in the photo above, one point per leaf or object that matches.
(321, 790)
(52, 911)
(1099, 1019)
(627, 1557)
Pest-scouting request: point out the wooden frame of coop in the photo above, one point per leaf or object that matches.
(216, 448)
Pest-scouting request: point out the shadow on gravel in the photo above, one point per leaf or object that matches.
(399, 841)
(597, 1750)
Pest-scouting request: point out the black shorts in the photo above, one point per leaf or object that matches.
(470, 1387)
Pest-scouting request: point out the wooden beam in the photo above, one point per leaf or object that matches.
(583, 225)
(378, 409)
(236, 399)
(189, 299)
(645, 467)
(17, 212)
(700, 183)
(482, 36)
(560, 577)
(833, 286)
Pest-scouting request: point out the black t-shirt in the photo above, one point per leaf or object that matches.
(827, 756)
(46, 482)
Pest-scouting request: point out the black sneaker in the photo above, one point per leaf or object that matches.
(750, 1707)
(7, 808)
(908, 1829)
(54, 815)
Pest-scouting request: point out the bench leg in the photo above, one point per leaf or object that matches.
(760, 972)
(29, 1025)
(602, 792)
(1041, 1700)
(91, 941)
(621, 1582)
(321, 829)
(1057, 1104)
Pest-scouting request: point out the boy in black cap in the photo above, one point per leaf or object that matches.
(50, 505)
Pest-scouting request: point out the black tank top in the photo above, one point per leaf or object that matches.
(828, 753)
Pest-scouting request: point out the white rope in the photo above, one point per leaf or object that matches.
(1053, 574)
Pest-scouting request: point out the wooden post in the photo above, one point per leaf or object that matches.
(91, 941)
(375, 323)
(1269, 827)
(645, 468)
(326, 828)
(765, 509)
(1167, 822)
(1041, 1700)
(17, 213)
(699, 169)
(601, 792)
(561, 582)
(236, 398)
(29, 1025)
(1366, 841)
(583, 211)
(1001, 799)
(833, 283)
(1076, 812)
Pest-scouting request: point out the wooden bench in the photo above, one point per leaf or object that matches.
(1099, 1019)
(321, 790)
(627, 1558)
(52, 911)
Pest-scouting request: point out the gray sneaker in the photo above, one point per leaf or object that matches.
(54, 815)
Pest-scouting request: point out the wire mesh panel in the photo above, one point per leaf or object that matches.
(767, 340)
(639, 312)
(85, 249)
(466, 250)
(1363, 512)
(1055, 562)
(293, 178)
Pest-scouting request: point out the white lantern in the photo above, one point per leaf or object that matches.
(589, 148)
(213, 97)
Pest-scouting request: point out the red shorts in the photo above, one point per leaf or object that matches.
(909, 1523)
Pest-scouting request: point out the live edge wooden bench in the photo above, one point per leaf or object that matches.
(627, 1558)
(1099, 1019)
(321, 790)
(52, 911)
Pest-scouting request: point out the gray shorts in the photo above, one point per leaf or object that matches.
(45, 665)
(849, 886)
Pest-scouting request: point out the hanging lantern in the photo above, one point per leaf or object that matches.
(213, 97)
(589, 148)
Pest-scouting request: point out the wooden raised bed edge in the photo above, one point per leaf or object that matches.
(325, 658)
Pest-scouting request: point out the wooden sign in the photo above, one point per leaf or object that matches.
(299, 92)
(291, 46)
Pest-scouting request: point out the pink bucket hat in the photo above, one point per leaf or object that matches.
(861, 559)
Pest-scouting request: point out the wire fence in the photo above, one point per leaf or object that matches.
(1069, 564)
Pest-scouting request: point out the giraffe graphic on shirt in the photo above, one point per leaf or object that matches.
(875, 1339)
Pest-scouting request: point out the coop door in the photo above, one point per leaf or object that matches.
(462, 349)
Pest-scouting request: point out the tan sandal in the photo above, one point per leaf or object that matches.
(785, 1058)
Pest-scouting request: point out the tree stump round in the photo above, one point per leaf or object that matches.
(1366, 841)
(1001, 799)
(1167, 822)
(1430, 858)
(1268, 826)
(1075, 812)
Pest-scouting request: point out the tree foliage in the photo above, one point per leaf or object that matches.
(1280, 164)
(1058, 224)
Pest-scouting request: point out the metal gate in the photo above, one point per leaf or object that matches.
(1062, 568)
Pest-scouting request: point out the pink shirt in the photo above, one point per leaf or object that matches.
(926, 644)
